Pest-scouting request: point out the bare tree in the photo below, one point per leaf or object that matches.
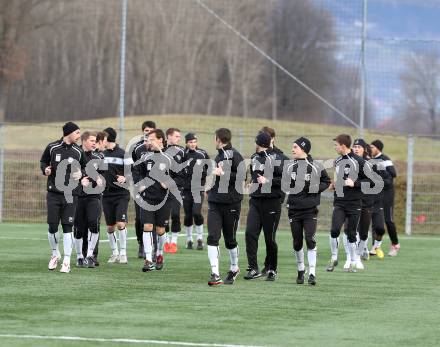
(421, 89)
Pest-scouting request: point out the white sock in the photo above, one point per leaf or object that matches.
(334, 243)
(147, 239)
(346, 247)
(233, 256)
(377, 243)
(174, 237)
(123, 241)
(361, 246)
(213, 255)
(353, 256)
(189, 231)
(53, 242)
(357, 237)
(311, 258)
(160, 242)
(92, 241)
(79, 247)
(67, 245)
(112, 242)
(199, 231)
(300, 259)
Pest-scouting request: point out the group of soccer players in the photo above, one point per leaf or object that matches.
(162, 177)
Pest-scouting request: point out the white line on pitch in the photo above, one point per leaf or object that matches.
(90, 339)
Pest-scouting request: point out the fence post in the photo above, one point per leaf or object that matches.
(122, 73)
(409, 185)
(2, 166)
(240, 141)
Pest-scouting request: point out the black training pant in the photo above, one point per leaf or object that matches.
(264, 213)
(87, 217)
(223, 218)
(303, 223)
(174, 205)
(388, 209)
(193, 210)
(349, 212)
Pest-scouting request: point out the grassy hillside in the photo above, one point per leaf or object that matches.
(35, 137)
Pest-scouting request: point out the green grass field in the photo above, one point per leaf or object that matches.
(394, 302)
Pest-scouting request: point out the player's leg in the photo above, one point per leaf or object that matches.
(93, 217)
(310, 223)
(296, 228)
(175, 223)
(188, 218)
(147, 220)
(110, 221)
(378, 227)
(139, 230)
(230, 219)
(121, 210)
(353, 217)
(271, 213)
(162, 217)
(67, 220)
(338, 219)
(252, 233)
(54, 205)
(80, 229)
(364, 226)
(214, 233)
(388, 205)
(198, 221)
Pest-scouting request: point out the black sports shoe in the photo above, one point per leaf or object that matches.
(271, 274)
(264, 271)
(300, 277)
(80, 262)
(312, 280)
(199, 245)
(215, 280)
(331, 265)
(89, 262)
(252, 274)
(95, 260)
(141, 253)
(189, 245)
(231, 276)
(148, 266)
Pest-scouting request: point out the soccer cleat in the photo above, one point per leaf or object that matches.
(331, 265)
(312, 280)
(300, 277)
(80, 262)
(380, 254)
(252, 274)
(53, 262)
(141, 253)
(264, 271)
(347, 265)
(231, 276)
(189, 245)
(90, 262)
(173, 248)
(123, 259)
(148, 266)
(166, 247)
(114, 258)
(65, 268)
(199, 245)
(394, 250)
(215, 280)
(271, 274)
(159, 262)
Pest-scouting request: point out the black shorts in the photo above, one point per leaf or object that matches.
(58, 209)
(115, 208)
(159, 217)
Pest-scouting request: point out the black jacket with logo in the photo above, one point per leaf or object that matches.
(116, 166)
(389, 166)
(54, 154)
(229, 158)
(98, 158)
(194, 158)
(314, 180)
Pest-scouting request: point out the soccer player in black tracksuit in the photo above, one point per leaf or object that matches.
(196, 169)
(64, 152)
(155, 187)
(116, 198)
(137, 151)
(177, 153)
(307, 181)
(266, 171)
(224, 206)
(347, 204)
(279, 152)
(89, 208)
(388, 196)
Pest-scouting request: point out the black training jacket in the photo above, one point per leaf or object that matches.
(314, 179)
(389, 166)
(229, 158)
(116, 164)
(98, 158)
(265, 163)
(177, 153)
(54, 154)
(194, 158)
